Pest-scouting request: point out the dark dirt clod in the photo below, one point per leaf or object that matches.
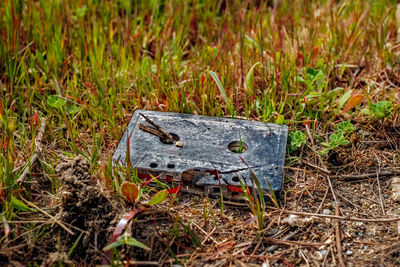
(83, 205)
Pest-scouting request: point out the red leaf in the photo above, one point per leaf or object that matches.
(148, 177)
(175, 190)
(119, 229)
(35, 119)
(130, 191)
(353, 101)
(236, 189)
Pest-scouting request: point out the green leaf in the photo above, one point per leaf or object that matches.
(337, 140)
(222, 91)
(315, 76)
(130, 241)
(280, 119)
(366, 111)
(81, 12)
(159, 197)
(334, 92)
(114, 245)
(75, 245)
(19, 205)
(344, 99)
(249, 80)
(251, 41)
(55, 101)
(71, 108)
(219, 85)
(344, 127)
(126, 239)
(312, 73)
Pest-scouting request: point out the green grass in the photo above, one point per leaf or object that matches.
(88, 65)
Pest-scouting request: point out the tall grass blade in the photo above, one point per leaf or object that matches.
(221, 89)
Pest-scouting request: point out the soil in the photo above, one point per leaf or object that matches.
(196, 231)
(84, 206)
(81, 206)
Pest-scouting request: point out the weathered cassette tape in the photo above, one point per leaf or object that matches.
(204, 153)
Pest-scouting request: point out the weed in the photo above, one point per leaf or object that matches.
(126, 239)
(344, 127)
(335, 140)
(380, 110)
(314, 80)
(296, 140)
(339, 138)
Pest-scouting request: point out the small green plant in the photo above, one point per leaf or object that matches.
(339, 138)
(126, 239)
(256, 199)
(241, 147)
(335, 140)
(296, 140)
(344, 127)
(314, 79)
(381, 109)
(57, 102)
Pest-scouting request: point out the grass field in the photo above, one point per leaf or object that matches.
(330, 70)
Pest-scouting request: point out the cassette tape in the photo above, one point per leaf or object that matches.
(204, 154)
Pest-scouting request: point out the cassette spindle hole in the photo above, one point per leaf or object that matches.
(153, 165)
(169, 141)
(216, 190)
(170, 166)
(237, 147)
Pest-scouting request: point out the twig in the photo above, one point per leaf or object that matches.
(161, 130)
(208, 236)
(216, 257)
(38, 150)
(257, 247)
(290, 242)
(384, 172)
(28, 221)
(316, 167)
(286, 238)
(331, 187)
(323, 200)
(350, 202)
(379, 185)
(61, 224)
(151, 248)
(338, 238)
(138, 263)
(150, 130)
(335, 217)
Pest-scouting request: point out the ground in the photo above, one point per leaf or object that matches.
(72, 73)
